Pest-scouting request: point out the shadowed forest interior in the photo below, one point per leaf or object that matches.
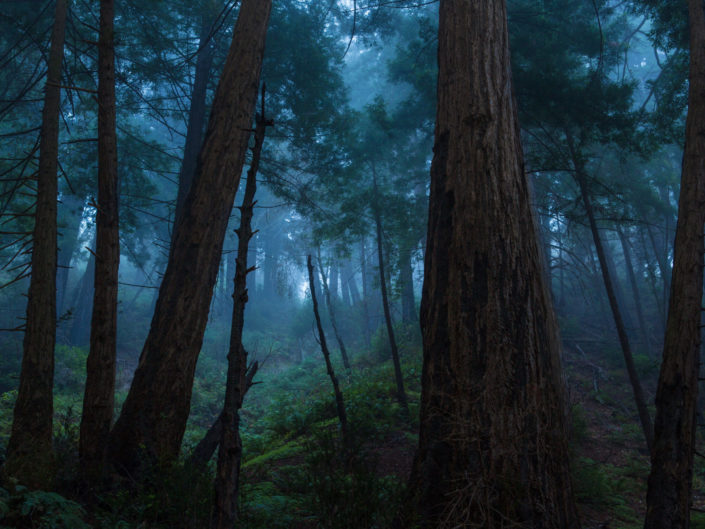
(351, 264)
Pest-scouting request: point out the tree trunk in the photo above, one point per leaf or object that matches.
(399, 378)
(154, 414)
(331, 313)
(82, 306)
(99, 396)
(366, 288)
(669, 494)
(30, 455)
(227, 476)
(351, 285)
(339, 404)
(406, 278)
(67, 246)
(639, 399)
(492, 443)
(196, 115)
(635, 290)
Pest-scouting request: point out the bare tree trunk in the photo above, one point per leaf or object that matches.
(153, 418)
(639, 399)
(492, 442)
(99, 396)
(331, 313)
(30, 455)
(669, 496)
(399, 378)
(339, 404)
(227, 476)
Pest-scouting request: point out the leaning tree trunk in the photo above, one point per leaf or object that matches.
(398, 377)
(339, 403)
(99, 396)
(196, 115)
(642, 409)
(30, 455)
(669, 494)
(330, 302)
(227, 476)
(492, 442)
(153, 418)
(629, 265)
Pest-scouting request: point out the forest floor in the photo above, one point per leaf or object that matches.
(610, 461)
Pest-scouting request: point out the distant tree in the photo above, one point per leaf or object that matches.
(99, 396)
(492, 443)
(669, 496)
(153, 418)
(30, 453)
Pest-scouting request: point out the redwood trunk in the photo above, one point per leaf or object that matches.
(492, 442)
(196, 116)
(153, 418)
(99, 396)
(30, 455)
(669, 494)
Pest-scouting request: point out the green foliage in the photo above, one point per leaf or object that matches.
(176, 497)
(24, 509)
(347, 492)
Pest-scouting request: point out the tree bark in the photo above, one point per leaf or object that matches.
(196, 116)
(99, 396)
(339, 403)
(492, 443)
(30, 454)
(153, 418)
(669, 494)
(227, 476)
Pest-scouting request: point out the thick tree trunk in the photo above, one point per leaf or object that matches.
(669, 494)
(492, 442)
(398, 377)
(30, 455)
(154, 414)
(227, 477)
(642, 409)
(196, 116)
(339, 403)
(99, 396)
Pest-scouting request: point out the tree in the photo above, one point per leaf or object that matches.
(30, 455)
(227, 477)
(157, 406)
(492, 443)
(669, 494)
(99, 396)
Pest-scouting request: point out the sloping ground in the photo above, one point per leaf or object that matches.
(610, 461)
